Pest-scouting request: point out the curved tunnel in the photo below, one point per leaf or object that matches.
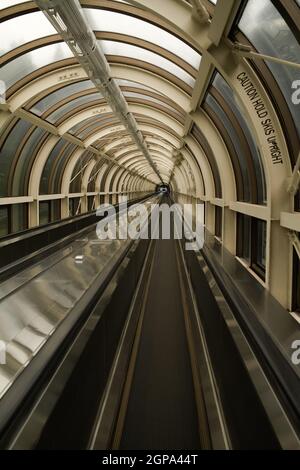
(211, 96)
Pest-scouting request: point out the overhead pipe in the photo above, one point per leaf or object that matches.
(68, 19)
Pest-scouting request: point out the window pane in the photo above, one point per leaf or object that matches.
(244, 237)
(57, 159)
(130, 94)
(55, 210)
(4, 222)
(57, 171)
(218, 221)
(8, 153)
(260, 234)
(263, 25)
(31, 61)
(25, 161)
(128, 83)
(74, 206)
(60, 112)
(128, 50)
(23, 29)
(44, 211)
(233, 103)
(50, 100)
(18, 217)
(236, 143)
(103, 20)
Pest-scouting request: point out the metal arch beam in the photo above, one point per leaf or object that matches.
(123, 159)
(161, 133)
(137, 159)
(180, 16)
(100, 176)
(155, 141)
(220, 151)
(93, 111)
(152, 146)
(158, 116)
(204, 165)
(200, 188)
(72, 73)
(68, 19)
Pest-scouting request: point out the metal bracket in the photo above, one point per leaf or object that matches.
(294, 181)
(245, 51)
(295, 241)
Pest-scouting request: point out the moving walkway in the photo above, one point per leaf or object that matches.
(142, 350)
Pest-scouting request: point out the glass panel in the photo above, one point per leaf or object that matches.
(232, 100)
(45, 179)
(244, 236)
(130, 94)
(263, 25)
(23, 29)
(83, 135)
(31, 61)
(128, 83)
(55, 210)
(91, 205)
(25, 161)
(218, 221)
(75, 186)
(59, 113)
(4, 221)
(44, 211)
(103, 20)
(74, 208)
(259, 258)
(128, 50)
(58, 169)
(18, 217)
(235, 141)
(58, 95)
(8, 153)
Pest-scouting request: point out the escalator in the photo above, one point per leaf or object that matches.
(158, 360)
(159, 409)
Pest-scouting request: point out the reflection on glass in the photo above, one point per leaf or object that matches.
(128, 50)
(103, 20)
(128, 83)
(8, 153)
(58, 167)
(18, 217)
(23, 29)
(4, 222)
(267, 30)
(59, 113)
(232, 100)
(33, 60)
(130, 94)
(210, 100)
(44, 212)
(25, 162)
(45, 187)
(50, 100)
